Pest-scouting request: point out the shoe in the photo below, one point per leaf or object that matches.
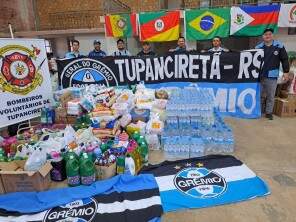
(269, 116)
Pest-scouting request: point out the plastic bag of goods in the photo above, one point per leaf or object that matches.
(152, 141)
(120, 108)
(154, 125)
(161, 94)
(160, 103)
(70, 137)
(125, 120)
(73, 107)
(36, 160)
(87, 102)
(140, 115)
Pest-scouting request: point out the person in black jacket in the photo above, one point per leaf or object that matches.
(274, 55)
(146, 51)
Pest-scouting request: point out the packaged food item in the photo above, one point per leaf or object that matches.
(161, 94)
(130, 165)
(125, 120)
(140, 115)
(120, 165)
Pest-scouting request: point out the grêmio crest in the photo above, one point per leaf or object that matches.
(86, 71)
(19, 72)
(200, 183)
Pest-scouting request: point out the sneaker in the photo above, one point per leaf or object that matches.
(269, 116)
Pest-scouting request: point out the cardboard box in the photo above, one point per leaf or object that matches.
(284, 107)
(15, 179)
(105, 172)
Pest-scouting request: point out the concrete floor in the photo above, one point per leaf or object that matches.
(269, 149)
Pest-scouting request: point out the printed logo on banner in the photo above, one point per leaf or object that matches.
(19, 72)
(200, 183)
(292, 14)
(80, 210)
(121, 23)
(85, 71)
(159, 25)
(239, 20)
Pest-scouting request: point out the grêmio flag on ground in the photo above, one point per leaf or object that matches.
(233, 76)
(205, 182)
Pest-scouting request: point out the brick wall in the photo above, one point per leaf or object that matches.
(19, 13)
(142, 5)
(191, 3)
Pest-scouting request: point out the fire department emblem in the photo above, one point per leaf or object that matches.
(19, 74)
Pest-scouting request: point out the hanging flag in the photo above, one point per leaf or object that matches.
(205, 182)
(122, 25)
(287, 17)
(207, 23)
(253, 20)
(159, 26)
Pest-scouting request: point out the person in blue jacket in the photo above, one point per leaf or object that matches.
(75, 51)
(97, 53)
(274, 55)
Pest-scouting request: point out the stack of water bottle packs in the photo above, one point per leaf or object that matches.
(193, 126)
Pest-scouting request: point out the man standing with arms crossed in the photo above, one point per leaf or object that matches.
(274, 54)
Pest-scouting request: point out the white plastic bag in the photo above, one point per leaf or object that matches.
(153, 141)
(154, 125)
(36, 160)
(69, 135)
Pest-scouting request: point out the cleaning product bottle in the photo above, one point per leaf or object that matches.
(87, 170)
(130, 165)
(43, 115)
(120, 165)
(72, 170)
(57, 172)
(3, 158)
(144, 152)
(136, 135)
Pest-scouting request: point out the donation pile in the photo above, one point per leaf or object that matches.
(97, 132)
(193, 127)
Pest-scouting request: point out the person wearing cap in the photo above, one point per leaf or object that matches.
(217, 46)
(75, 51)
(121, 51)
(274, 55)
(146, 51)
(97, 53)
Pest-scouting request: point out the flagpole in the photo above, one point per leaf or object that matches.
(10, 30)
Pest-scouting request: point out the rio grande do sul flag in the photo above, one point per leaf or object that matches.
(121, 25)
(287, 17)
(253, 20)
(207, 23)
(159, 26)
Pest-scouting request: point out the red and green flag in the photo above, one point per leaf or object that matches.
(253, 20)
(121, 25)
(159, 26)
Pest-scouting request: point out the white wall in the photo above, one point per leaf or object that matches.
(289, 41)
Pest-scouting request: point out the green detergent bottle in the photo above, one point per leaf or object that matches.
(144, 153)
(72, 170)
(87, 170)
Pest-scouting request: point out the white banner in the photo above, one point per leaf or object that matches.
(25, 85)
(287, 17)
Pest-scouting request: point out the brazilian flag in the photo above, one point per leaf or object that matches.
(203, 24)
